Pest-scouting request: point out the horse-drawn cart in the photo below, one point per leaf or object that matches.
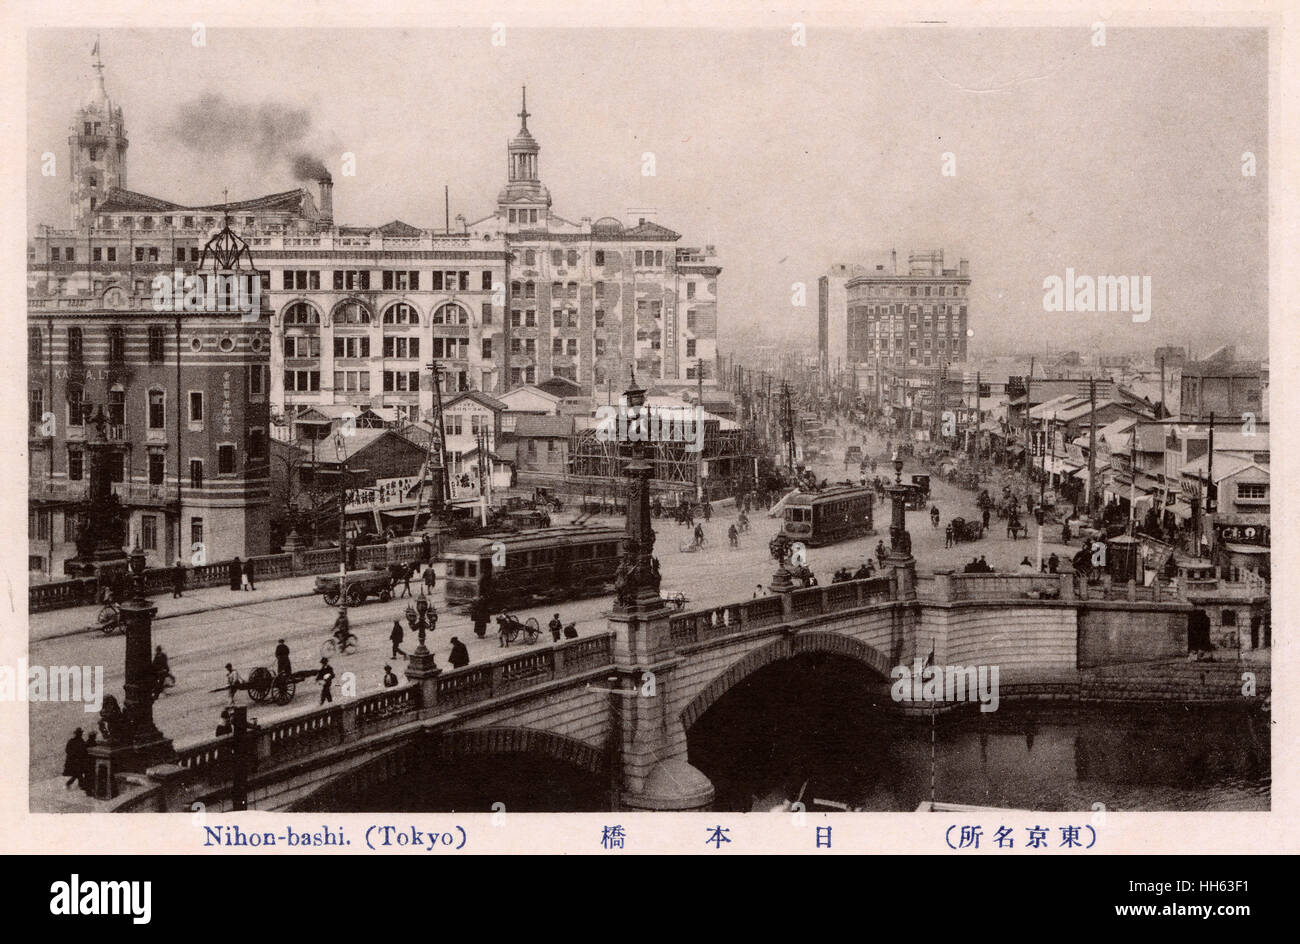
(265, 684)
(360, 584)
(963, 530)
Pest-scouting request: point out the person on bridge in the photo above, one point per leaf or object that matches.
(233, 681)
(984, 566)
(480, 612)
(75, 760)
(430, 579)
(282, 666)
(162, 671)
(1065, 532)
(326, 677)
(407, 573)
(396, 637)
(947, 535)
(1025, 566)
(556, 627)
(390, 679)
(1053, 563)
(985, 517)
(699, 535)
(707, 510)
(571, 631)
(733, 536)
(934, 516)
(880, 552)
(178, 579)
(459, 657)
(236, 574)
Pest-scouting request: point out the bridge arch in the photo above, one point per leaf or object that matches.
(785, 648)
(402, 759)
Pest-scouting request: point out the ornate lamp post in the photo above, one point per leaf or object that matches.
(132, 740)
(637, 579)
(421, 620)
(1038, 516)
(900, 542)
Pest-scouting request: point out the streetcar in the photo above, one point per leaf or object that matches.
(519, 568)
(832, 514)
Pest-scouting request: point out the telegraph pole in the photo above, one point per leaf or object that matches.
(699, 457)
(1092, 440)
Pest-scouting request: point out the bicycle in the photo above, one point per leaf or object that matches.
(109, 619)
(331, 645)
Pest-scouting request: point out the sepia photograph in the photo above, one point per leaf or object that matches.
(747, 419)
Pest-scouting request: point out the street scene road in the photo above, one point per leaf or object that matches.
(240, 628)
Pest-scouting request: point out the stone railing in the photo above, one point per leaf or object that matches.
(314, 731)
(949, 586)
(79, 592)
(701, 625)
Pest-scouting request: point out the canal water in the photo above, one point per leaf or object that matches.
(762, 744)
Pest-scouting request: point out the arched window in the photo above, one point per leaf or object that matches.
(351, 312)
(450, 314)
(300, 313)
(401, 313)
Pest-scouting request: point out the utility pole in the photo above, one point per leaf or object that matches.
(1029, 381)
(1163, 411)
(978, 411)
(699, 457)
(1211, 492)
(1092, 440)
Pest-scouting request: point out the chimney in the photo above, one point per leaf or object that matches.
(326, 199)
(893, 262)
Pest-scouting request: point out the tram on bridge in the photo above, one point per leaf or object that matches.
(520, 568)
(832, 514)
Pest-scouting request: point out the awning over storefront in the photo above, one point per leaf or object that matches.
(1247, 549)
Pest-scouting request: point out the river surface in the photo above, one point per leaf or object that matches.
(1026, 756)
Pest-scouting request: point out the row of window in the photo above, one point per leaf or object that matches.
(115, 462)
(156, 402)
(354, 312)
(917, 291)
(910, 310)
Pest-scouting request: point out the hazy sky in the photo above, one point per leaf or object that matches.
(1122, 160)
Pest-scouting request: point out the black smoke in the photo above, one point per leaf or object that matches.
(273, 133)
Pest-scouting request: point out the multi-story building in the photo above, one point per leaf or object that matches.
(1222, 386)
(517, 297)
(832, 317)
(916, 318)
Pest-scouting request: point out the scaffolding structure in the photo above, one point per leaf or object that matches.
(728, 460)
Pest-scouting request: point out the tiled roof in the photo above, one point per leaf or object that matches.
(120, 200)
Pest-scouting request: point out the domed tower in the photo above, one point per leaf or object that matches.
(524, 193)
(98, 149)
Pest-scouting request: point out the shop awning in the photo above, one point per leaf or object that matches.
(1246, 549)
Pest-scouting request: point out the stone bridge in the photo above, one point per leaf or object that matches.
(619, 705)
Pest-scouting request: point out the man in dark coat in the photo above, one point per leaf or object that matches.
(479, 613)
(178, 579)
(556, 627)
(282, 666)
(396, 637)
(459, 657)
(326, 677)
(75, 759)
(236, 569)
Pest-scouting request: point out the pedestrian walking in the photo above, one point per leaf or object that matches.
(326, 677)
(75, 760)
(396, 637)
(733, 536)
(233, 681)
(459, 657)
(178, 580)
(1053, 563)
(426, 550)
(556, 627)
(479, 613)
(248, 575)
(430, 579)
(407, 573)
(1065, 532)
(236, 574)
(985, 517)
(947, 535)
(390, 679)
(282, 666)
(87, 769)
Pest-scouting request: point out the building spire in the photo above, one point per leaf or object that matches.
(98, 92)
(523, 112)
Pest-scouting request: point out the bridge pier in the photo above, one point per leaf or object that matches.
(650, 739)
